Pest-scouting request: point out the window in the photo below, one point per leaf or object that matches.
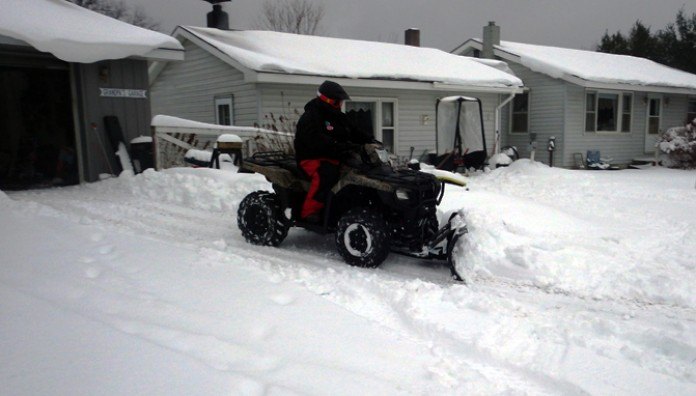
(590, 112)
(608, 112)
(691, 110)
(607, 108)
(626, 112)
(520, 114)
(224, 111)
(376, 116)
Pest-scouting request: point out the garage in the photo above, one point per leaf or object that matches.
(37, 128)
(64, 70)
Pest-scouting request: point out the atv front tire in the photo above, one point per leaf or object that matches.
(261, 219)
(362, 238)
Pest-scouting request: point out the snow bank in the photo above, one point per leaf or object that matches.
(573, 231)
(276, 52)
(597, 66)
(75, 34)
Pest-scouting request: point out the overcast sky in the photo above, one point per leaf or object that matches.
(445, 24)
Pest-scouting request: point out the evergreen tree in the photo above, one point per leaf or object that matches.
(674, 46)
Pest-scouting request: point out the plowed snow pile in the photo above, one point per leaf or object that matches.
(621, 235)
(579, 282)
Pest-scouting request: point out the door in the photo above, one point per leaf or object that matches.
(653, 123)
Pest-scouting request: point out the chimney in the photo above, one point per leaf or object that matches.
(218, 18)
(491, 37)
(412, 37)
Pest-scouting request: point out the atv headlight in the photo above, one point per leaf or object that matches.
(402, 194)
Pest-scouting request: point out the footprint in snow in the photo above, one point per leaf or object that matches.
(92, 272)
(283, 299)
(87, 260)
(106, 249)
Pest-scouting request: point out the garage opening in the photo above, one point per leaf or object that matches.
(37, 133)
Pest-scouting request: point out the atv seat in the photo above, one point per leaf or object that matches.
(281, 160)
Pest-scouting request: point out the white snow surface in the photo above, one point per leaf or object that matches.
(167, 121)
(75, 34)
(229, 138)
(275, 52)
(597, 66)
(141, 139)
(579, 282)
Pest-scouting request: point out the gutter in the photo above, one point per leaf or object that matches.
(275, 78)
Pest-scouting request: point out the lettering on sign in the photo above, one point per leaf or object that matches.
(123, 93)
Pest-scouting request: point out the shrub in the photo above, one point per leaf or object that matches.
(679, 143)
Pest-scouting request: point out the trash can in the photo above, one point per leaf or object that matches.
(141, 153)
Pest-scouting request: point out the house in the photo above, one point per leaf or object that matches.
(62, 70)
(263, 78)
(587, 100)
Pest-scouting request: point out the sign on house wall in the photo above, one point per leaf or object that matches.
(123, 93)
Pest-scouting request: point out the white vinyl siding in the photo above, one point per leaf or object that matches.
(188, 89)
(621, 147)
(546, 116)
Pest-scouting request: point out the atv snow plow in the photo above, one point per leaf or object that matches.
(373, 209)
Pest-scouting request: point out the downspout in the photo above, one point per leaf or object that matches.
(497, 121)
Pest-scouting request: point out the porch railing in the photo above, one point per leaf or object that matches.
(173, 137)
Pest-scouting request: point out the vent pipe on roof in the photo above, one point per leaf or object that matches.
(491, 38)
(412, 37)
(218, 18)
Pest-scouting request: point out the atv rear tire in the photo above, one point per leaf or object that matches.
(261, 219)
(362, 238)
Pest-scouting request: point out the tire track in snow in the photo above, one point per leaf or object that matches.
(376, 295)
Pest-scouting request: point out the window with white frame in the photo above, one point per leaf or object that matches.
(626, 112)
(519, 117)
(377, 116)
(224, 110)
(691, 110)
(608, 111)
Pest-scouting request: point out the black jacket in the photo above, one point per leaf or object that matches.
(325, 132)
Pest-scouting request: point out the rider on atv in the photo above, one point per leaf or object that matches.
(324, 136)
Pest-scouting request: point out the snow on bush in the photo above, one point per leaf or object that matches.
(679, 143)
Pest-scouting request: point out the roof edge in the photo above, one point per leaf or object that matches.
(273, 78)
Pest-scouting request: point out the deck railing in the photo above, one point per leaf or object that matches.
(173, 137)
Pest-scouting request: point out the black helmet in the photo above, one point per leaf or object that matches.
(333, 91)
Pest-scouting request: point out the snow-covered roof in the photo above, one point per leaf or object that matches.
(285, 53)
(75, 34)
(593, 66)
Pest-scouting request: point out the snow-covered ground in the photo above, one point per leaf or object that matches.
(579, 282)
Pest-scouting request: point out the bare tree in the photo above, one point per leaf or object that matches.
(292, 16)
(117, 9)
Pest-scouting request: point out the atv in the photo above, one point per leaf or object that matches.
(374, 208)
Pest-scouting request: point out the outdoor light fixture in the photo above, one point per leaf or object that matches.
(104, 72)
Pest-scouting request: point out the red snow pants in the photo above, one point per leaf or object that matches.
(323, 173)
